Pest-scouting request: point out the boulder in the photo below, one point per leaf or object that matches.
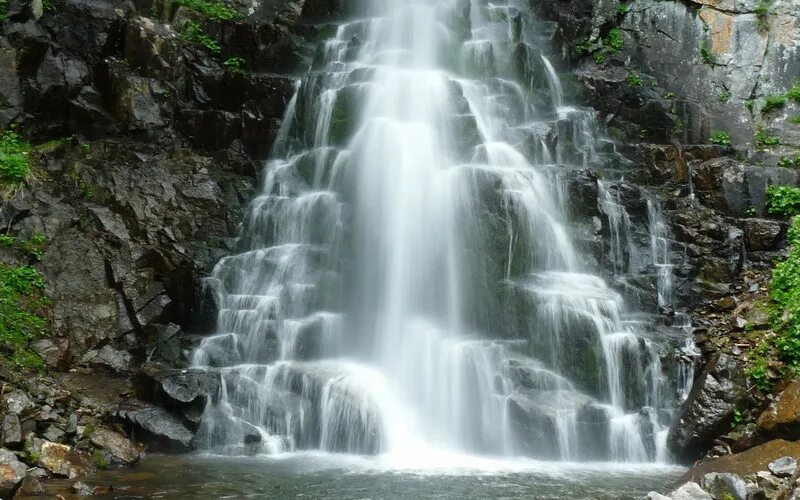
(62, 460)
(782, 418)
(109, 358)
(31, 486)
(708, 410)
(761, 234)
(12, 471)
(156, 426)
(725, 485)
(689, 491)
(120, 447)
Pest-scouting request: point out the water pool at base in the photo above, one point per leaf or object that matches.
(321, 476)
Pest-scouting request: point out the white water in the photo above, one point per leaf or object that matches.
(407, 283)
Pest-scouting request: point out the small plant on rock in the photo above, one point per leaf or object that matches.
(783, 200)
(193, 33)
(795, 119)
(724, 97)
(613, 41)
(215, 10)
(762, 12)
(599, 57)
(23, 316)
(720, 138)
(765, 139)
(235, 64)
(3, 13)
(623, 8)
(773, 102)
(634, 80)
(707, 55)
(794, 92)
(15, 166)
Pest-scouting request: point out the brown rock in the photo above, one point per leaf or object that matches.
(61, 460)
(782, 418)
(747, 462)
(116, 444)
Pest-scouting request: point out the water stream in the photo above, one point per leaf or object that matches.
(408, 283)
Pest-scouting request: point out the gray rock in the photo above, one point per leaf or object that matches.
(690, 491)
(120, 447)
(656, 496)
(723, 485)
(12, 471)
(17, 402)
(107, 356)
(158, 427)
(783, 467)
(12, 431)
(761, 234)
(54, 434)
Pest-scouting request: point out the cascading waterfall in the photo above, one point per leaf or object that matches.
(407, 278)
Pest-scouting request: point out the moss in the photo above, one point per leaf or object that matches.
(24, 313)
(99, 460)
(773, 102)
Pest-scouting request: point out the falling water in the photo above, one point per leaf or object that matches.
(407, 279)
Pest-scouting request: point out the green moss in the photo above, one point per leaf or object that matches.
(15, 166)
(773, 102)
(99, 460)
(23, 315)
(193, 33)
(218, 11)
(720, 137)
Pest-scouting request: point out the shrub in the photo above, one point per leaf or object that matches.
(720, 137)
(193, 33)
(634, 80)
(23, 315)
(783, 200)
(218, 11)
(773, 102)
(15, 167)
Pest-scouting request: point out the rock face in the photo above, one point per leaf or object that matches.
(782, 418)
(708, 410)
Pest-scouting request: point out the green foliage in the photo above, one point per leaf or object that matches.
(81, 184)
(193, 33)
(759, 374)
(737, 418)
(668, 95)
(783, 200)
(795, 119)
(724, 97)
(599, 57)
(235, 64)
(720, 137)
(623, 8)
(789, 162)
(762, 12)
(763, 138)
(15, 166)
(216, 10)
(35, 246)
(613, 42)
(586, 46)
(706, 54)
(749, 104)
(634, 80)
(23, 317)
(785, 285)
(773, 102)
(7, 241)
(794, 92)
(48, 6)
(3, 14)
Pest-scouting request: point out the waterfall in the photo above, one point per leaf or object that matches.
(407, 279)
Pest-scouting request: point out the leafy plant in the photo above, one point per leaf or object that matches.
(634, 80)
(706, 54)
(669, 95)
(613, 41)
(773, 102)
(724, 97)
(720, 137)
(7, 240)
(795, 119)
(216, 10)
(623, 8)
(599, 57)
(783, 200)
(762, 12)
(193, 33)
(23, 315)
(759, 373)
(794, 92)
(235, 64)
(787, 161)
(35, 246)
(763, 138)
(15, 167)
(3, 13)
(99, 460)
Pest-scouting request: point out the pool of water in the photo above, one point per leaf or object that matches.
(322, 476)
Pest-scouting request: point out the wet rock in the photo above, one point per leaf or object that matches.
(12, 471)
(120, 447)
(782, 418)
(725, 485)
(706, 414)
(62, 460)
(783, 467)
(31, 485)
(12, 431)
(761, 234)
(156, 426)
(751, 461)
